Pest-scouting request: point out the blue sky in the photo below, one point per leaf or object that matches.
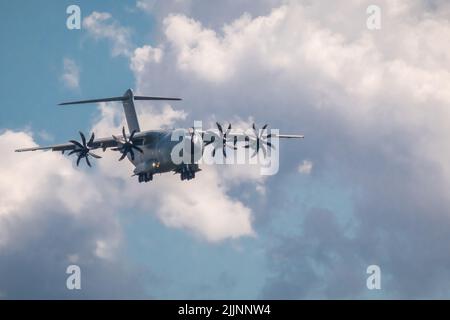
(366, 186)
(37, 43)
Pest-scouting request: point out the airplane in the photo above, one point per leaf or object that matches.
(150, 151)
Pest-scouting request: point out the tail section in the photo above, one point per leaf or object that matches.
(130, 111)
(128, 106)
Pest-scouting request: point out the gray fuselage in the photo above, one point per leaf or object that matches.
(157, 156)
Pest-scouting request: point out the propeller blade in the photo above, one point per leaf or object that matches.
(126, 145)
(260, 140)
(87, 161)
(94, 155)
(72, 152)
(76, 143)
(132, 135)
(263, 150)
(124, 135)
(137, 148)
(83, 149)
(219, 127)
(123, 156)
(83, 138)
(79, 158)
(91, 140)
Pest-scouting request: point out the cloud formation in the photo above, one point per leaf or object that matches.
(50, 214)
(305, 167)
(373, 106)
(71, 74)
(101, 25)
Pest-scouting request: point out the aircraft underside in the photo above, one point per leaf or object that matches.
(186, 171)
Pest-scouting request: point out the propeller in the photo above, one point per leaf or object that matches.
(223, 136)
(83, 149)
(126, 145)
(260, 140)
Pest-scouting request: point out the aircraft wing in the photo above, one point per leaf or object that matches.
(56, 147)
(243, 134)
(140, 138)
(290, 136)
(103, 143)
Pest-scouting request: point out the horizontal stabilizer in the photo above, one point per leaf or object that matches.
(290, 136)
(154, 98)
(94, 100)
(123, 98)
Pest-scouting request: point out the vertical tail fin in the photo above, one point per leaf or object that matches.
(130, 111)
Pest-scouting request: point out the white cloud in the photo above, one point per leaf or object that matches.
(143, 56)
(199, 50)
(36, 182)
(101, 25)
(365, 69)
(374, 106)
(212, 214)
(71, 74)
(211, 13)
(53, 215)
(305, 167)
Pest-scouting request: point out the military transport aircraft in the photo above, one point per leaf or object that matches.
(150, 151)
